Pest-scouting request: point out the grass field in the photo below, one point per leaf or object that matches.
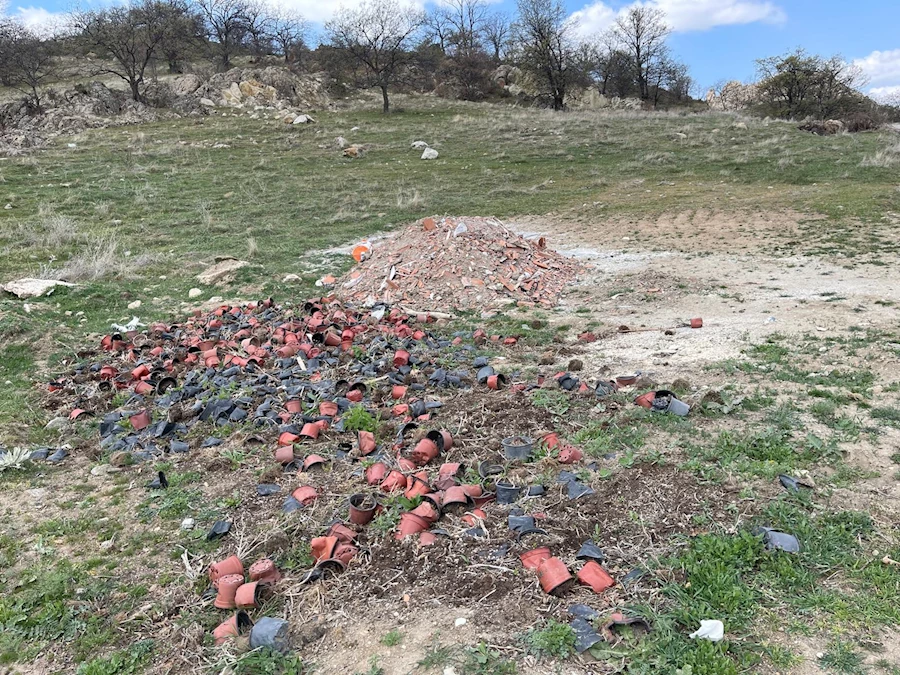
(134, 213)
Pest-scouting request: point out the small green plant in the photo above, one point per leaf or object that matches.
(122, 662)
(840, 657)
(392, 638)
(436, 656)
(267, 661)
(359, 419)
(236, 457)
(555, 639)
(482, 660)
(231, 502)
(374, 668)
(554, 401)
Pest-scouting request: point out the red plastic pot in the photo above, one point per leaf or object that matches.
(344, 553)
(399, 410)
(286, 438)
(305, 494)
(425, 451)
(366, 440)
(533, 559)
(472, 490)
(143, 388)
(417, 485)
(313, 461)
(287, 351)
(332, 339)
(471, 519)
(236, 626)
(376, 473)
(410, 523)
(246, 595)
(455, 496)
(310, 430)
(140, 421)
(697, 322)
(140, 372)
(449, 469)
(342, 532)
(227, 588)
(436, 498)
(646, 400)
(401, 358)
(231, 565)
(328, 408)
(595, 576)
(570, 455)
(427, 538)
(406, 464)
(78, 412)
(442, 439)
(395, 481)
(265, 572)
(551, 440)
(554, 576)
(496, 382)
(362, 508)
(398, 391)
(294, 406)
(484, 498)
(354, 395)
(284, 454)
(108, 373)
(322, 548)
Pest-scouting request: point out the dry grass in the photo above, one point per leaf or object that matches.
(52, 231)
(99, 258)
(883, 159)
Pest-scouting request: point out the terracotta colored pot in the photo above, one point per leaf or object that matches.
(455, 496)
(551, 440)
(410, 523)
(427, 511)
(471, 519)
(427, 538)
(310, 430)
(143, 388)
(239, 624)
(286, 438)
(472, 490)
(398, 391)
(442, 439)
(322, 548)
(395, 481)
(140, 421)
(227, 587)
(332, 339)
(265, 572)
(287, 351)
(425, 451)
(554, 576)
(376, 473)
(140, 372)
(570, 455)
(329, 408)
(366, 440)
(417, 485)
(484, 498)
(401, 358)
(399, 410)
(305, 494)
(406, 464)
(646, 400)
(362, 508)
(313, 461)
(533, 559)
(108, 373)
(284, 454)
(247, 595)
(231, 565)
(343, 533)
(626, 380)
(496, 382)
(436, 498)
(595, 576)
(697, 323)
(354, 395)
(294, 406)
(450, 469)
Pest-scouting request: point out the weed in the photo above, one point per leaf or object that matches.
(482, 660)
(392, 638)
(840, 657)
(436, 656)
(359, 419)
(122, 662)
(554, 401)
(267, 661)
(374, 668)
(555, 639)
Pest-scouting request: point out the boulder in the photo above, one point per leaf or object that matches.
(430, 153)
(221, 271)
(186, 84)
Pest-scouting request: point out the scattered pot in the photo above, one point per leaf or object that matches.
(344, 553)
(425, 451)
(231, 565)
(342, 532)
(507, 493)
(398, 391)
(236, 626)
(595, 576)
(554, 576)
(646, 400)
(626, 380)
(395, 481)
(442, 439)
(427, 511)
(517, 447)
(294, 406)
(328, 408)
(427, 538)
(417, 485)
(551, 440)
(454, 497)
(366, 441)
(265, 572)
(376, 473)
(228, 586)
(410, 523)
(362, 508)
(570, 455)
(305, 494)
(247, 595)
(401, 358)
(533, 559)
(496, 382)
(287, 438)
(140, 420)
(322, 548)
(310, 430)
(284, 454)
(697, 322)
(313, 461)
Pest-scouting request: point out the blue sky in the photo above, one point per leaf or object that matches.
(718, 39)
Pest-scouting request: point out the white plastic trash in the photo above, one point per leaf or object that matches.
(710, 629)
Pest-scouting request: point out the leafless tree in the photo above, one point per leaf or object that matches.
(547, 49)
(129, 37)
(227, 23)
(497, 32)
(438, 27)
(260, 23)
(641, 32)
(183, 27)
(26, 61)
(289, 31)
(379, 34)
(466, 19)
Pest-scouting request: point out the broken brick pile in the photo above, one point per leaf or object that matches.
(460, 263)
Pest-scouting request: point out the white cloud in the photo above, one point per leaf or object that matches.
(40, 20)
(320, 11)
(881, 67)
(889, 94)
(686, 15)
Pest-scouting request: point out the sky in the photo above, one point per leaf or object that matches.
(718, 39)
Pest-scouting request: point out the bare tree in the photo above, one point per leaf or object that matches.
(497, 33)
(26, 61)
(548, 51)
(379, 34)
(183, 27)
(227, 24)
(260, 22)
(128, 36)
(438, 27)
(289, 31)
(641, 32)
(466, 18)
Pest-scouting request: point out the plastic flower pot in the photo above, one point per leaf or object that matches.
(332, 339)
(164, 384)
(108, 372)
(286, 438)
(236, 626)
(554, 576)
(449, 469)
(551, 440)
(227, 588)
(677, 407)
(410, 523)
(425, 451)
(328, 408)
(395, 481)
(313, 461)
(354, 395)
(427, 511)
(140, 421)
(284, 454)
(143, 388)
(265, 572)
(472, 519)
(322, 548)
(646, 400)
(442, 439)
(496, 382)
(400, 410)
(484, 498)
(231, 565)
(294, 406)
(366, 440)
(406, 464)
(310, 430)
(595, 576)
(455, 497)
(342, 532)
(398, 391)
(697, 322)
(517, 447)
(427, 538)
(376, 473)
(362, 508)
(435, 498)
(247, 595)
(140, 372)
(472, 490)
(305, 494)
(626, 380)
(532, 559)
(507, 493)
(570, 455)
(344, 553)
(417, 485)
(270, 632)
(401, 358)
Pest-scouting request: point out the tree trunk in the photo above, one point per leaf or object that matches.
(384, 96)
(135, 90)
(558, 101)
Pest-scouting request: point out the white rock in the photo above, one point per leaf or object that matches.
(449, 670)
(187, 524)
(419, 145)
(32, 288)
(206, 103)
(103, 469)
(134, 305)
(341, 142)
(461, 621)
(195, 293)
(57, 423)
(355, 129)
(222, 271)
(8, 206)
(430, 153)
(291, 277)
(303, 119)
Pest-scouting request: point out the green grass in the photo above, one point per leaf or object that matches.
(392, 638)
(555, 639)
(123, 662)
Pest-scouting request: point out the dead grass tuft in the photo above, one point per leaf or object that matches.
(883, 159)
(100, 258)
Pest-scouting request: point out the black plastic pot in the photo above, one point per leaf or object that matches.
(507, 493)
(272, 633)
(585, 635)
(219, 529)
(517, 447)
(590, 551)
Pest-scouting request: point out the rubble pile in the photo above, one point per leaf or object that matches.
(462, 263)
